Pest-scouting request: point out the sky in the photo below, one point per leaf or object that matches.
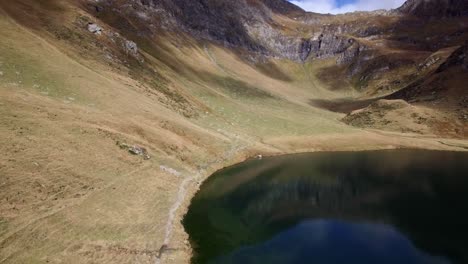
(343, 6)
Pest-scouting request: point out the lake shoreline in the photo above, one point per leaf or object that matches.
(338, 143)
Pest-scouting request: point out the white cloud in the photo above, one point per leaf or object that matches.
(330, 6)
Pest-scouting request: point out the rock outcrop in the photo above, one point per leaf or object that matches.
(330, 44)
(435, 8)
(94, 28)
(458, 57)
(131, 47)
(251, 25)
(263, 29)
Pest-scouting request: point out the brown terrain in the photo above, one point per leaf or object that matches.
(112, 112)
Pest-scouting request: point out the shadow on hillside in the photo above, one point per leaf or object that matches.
(342, 105)
(271, 70)
(35, 14)
(234, 87)
(217, 23)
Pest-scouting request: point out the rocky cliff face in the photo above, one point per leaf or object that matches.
(250, 25)
(273, 28)
(435, 8)
(367, 45)
(222, 21)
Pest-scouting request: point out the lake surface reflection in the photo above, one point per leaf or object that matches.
(399, 206)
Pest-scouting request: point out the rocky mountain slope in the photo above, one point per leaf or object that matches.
(113, 111)
(434, 9)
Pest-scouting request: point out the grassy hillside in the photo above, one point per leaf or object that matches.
(72, 103)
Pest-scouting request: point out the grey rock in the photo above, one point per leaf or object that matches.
(305, 49)
(428, 62)
(134, 150)
(131, 47)
(349, 54)
(94, 28)
(329, 44)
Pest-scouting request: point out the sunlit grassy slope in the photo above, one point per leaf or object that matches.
(70, 194)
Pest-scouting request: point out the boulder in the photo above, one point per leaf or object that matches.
(131, 47)
(94, 28)
(135, 150)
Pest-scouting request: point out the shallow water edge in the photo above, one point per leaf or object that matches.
(342, 143)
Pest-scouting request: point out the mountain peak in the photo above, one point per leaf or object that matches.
(282, 6)
(435, 8)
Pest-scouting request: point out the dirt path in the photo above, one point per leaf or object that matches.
(213, 59)
(237, 147)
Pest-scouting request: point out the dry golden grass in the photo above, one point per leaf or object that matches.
(70, 194)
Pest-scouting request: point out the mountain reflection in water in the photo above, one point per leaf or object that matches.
(399, 206)
(331, 241)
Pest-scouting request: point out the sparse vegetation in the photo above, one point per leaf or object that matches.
(69, 194)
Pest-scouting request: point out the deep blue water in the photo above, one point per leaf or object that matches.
(334, 242)
(398, 207)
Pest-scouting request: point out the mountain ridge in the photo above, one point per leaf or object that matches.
(113, 112)
(435, 8)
